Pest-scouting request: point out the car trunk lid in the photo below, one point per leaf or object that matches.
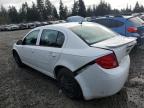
(120, 45)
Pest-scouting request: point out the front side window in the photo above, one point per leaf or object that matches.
(31, 38)
(93, 33)
(52, 38)
(102, 22)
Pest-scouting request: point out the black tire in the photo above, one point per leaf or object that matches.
(17, 59)
(68, 84)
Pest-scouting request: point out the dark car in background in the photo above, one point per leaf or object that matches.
(23, 26)
(1, 28)
(31, 25)
(129, 26)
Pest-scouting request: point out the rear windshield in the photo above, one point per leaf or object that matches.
(93, 34)
(137, 21)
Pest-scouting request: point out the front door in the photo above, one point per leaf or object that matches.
(26, 50)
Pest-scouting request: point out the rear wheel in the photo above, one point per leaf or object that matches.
(68, 84)
(17, 59)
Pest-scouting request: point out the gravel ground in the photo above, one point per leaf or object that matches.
(27, 88)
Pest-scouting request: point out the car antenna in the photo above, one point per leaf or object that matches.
(81, 22)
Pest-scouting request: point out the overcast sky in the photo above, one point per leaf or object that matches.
(114, 3)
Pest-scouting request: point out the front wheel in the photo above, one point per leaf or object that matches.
(17, 59)
(68, 84)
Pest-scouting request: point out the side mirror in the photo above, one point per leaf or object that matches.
(19, 42)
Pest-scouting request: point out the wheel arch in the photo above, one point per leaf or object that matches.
(14, 51)
(56, 71)
(58, 67)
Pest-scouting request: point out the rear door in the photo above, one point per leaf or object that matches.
(49, 50)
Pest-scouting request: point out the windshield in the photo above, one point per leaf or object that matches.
(93, 34)
(137, 21)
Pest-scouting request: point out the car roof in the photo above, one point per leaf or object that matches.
(65, 25)
(116, 17)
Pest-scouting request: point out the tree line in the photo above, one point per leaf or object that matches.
(44, 10)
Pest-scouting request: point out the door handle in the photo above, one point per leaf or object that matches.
(53, 54)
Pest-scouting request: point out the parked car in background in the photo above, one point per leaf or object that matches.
(142, 17)
(7, 28)
(23, 26)
(44, 23)
(37, 23)
(54, 22)
(62, 21)
(129, 26)
(88, 60)
(1, 28)
(88, 19)
(31, 25)
(75, 19)
(14, 27)
(11, 27)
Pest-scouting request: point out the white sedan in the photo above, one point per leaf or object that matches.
(88, 60)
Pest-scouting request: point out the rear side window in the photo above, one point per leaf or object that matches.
(110, 23)
(93, 34)
(31, 38)
(114, 23)
(102, 22)
(52, 38)
(137, 21)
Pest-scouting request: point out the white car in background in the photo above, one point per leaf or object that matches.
(12, 27)
(75, 19)
(87, 59)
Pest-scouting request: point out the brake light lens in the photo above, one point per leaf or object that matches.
(108, 62)
(132, 29)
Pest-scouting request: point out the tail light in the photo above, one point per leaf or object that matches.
(132, 29)
(108, 62)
